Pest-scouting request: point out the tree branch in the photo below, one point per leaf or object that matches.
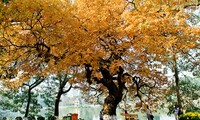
(37, 82)
(191, 4)
(66, 91)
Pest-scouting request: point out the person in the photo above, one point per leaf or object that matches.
(125, 112)
(180, 112)
(149, 114)
(101, 115)
(176, 111)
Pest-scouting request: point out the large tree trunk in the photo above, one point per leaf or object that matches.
(115, 85)
(109, 108)
(115, 93)
(57, 101)
(112, 100)
(28, 103)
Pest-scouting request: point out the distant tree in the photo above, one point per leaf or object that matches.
(63, 80)
(185, 69)
(53, 89)
(24, 99)
(185, 60)
(31, 86)
(189, 92)
(48, 91)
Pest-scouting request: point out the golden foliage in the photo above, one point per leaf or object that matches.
(49, 36)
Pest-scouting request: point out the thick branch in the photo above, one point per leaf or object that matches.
(66, 91)
(88, 73)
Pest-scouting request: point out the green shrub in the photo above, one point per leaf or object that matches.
(190, 116)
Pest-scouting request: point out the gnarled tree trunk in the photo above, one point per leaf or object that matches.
(109, 108)
(114, 84)
(115, 93)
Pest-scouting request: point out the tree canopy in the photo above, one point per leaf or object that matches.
(114, 45)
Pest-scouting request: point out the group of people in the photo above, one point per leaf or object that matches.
(148, 112)
(177, 111)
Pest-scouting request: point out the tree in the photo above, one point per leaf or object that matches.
(184, 59)
(30, 88)
(63, 80)
(189, 90)
(39, 36)
(146, 45)
(186, 66)
(24, 99)
(53, 89)
(47, 95)
(30, 97)
(119, 45)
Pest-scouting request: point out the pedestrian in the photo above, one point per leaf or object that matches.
(125, 113)
(180, 112)
(149, 114)
(176, 111)
(101, 115)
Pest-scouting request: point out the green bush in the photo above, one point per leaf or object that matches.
(190, 116)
